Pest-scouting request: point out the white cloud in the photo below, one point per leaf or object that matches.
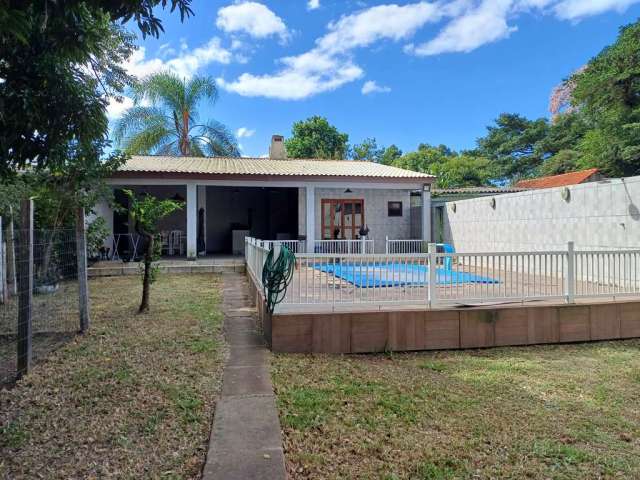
(189, 62)
(252, 18)
(116, 108)
(300, 78)
(485, 24)
(244, 132)
(329, 65)
(313, 4)
(391, 22)
(577, 9)
(185, 64)
(370, 86)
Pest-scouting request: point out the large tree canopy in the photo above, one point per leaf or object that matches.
(60, 61)
(513, 145)
(452, 169)
(607, 95)
(169, 125)
(17, 16)
(317, 138)
(367, 150)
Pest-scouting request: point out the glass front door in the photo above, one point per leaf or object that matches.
(342, 219)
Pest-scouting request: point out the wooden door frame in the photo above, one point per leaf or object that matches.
(332, 225)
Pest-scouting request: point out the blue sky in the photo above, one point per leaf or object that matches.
(404, 73)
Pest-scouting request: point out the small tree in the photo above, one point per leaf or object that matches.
(146, 213)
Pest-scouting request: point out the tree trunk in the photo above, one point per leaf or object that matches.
(146, 280)
(184, 141)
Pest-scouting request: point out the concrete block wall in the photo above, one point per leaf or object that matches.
(599, 215)
(375, 212)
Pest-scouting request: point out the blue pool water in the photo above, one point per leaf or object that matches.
(396, 274)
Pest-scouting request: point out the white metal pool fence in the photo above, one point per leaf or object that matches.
(344, 247)
(296, 246)
(406, 246)
(333, 280)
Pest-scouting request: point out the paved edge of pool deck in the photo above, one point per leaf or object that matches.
(246, 441)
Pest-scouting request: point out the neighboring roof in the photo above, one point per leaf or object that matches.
(215, 166)
(563, 180)
(476, 190)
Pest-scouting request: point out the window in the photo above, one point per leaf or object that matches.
(394, 209)
(342, 219)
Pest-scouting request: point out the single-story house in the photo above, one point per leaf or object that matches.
(274, 198)
(562, 180)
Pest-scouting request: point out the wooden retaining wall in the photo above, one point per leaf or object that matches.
(476, 327)
(452, 329)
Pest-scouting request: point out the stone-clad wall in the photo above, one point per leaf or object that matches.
(375, 212)
(598, 215)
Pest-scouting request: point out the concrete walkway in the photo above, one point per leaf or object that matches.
(245, 441)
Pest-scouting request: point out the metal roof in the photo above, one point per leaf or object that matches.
(476, 190)
(265, 167)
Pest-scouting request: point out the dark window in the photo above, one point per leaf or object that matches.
(395, 209)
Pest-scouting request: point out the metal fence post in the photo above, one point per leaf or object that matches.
(4, 293)
(25, 288)
(83, 285)
(11, 256)
(433, 277)
(386, 244)
(571, 273)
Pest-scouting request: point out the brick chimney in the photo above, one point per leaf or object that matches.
(276, 149)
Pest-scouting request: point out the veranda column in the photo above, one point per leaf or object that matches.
(202, 205)
(311, 218)
(192, 221)
(426, 213)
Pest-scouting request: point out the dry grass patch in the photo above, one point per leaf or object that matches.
(132, 399)
(561, 412)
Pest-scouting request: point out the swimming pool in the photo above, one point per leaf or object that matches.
(395, 274)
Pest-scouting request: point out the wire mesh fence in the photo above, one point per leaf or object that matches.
(39, 308)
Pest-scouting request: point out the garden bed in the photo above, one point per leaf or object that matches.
(132, 399)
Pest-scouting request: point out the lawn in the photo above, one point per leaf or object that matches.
(132, 399)
(547, 412)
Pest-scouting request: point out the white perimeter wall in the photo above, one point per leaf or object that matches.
(599, 215)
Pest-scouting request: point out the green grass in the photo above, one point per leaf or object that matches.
(132, 399)
(12, 435)
(557, 412)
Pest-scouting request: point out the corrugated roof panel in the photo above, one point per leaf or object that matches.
(266, 166)
(562, 180)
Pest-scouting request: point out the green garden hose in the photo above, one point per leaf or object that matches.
(277, 275)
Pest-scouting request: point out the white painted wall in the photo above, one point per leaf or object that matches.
(375, 212)
(599, 215)
(104, 210)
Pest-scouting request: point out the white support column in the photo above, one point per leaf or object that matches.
(311, 219)
(432, 290)
(192, 221)
(426, 213)
(202, 203)
(570, 287)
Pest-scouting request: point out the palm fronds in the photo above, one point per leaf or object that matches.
(167, 125)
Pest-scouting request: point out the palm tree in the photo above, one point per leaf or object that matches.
(169, 124)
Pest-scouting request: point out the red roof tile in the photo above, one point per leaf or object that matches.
(563, 180)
